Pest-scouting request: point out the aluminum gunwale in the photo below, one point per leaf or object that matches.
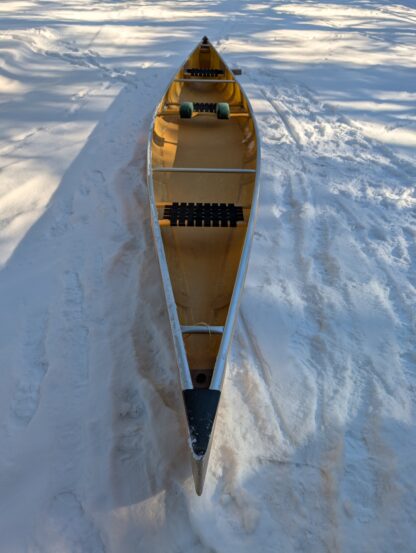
(219, 369)
(183, 366)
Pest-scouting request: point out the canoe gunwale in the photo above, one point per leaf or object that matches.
(219, 369)
(228, 329)
(183, 366)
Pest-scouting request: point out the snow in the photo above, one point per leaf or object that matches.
(315, 439)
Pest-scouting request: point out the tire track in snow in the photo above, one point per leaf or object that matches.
(410, 245)
(338, 366)
(397, 305)
(385, 490)
(283, 433)
(321, 254)
(285, 117)
(330, 271)
(317, 325)
(296, 197)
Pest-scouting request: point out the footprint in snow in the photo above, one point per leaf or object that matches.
(33, 368)
(66, 527)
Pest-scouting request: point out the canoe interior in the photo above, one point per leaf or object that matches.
(203, 261)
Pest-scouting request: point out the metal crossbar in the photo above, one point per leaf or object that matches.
(204, 81)
(231, 105)
(202, 329)
(200, 114)
(201, 170)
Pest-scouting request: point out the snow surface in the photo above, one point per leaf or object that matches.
(315, 441)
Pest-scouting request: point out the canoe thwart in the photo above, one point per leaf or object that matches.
(202, 329)
(201, 170)
(210, 81)
(201, 114)
(241, 106)
(163, 204)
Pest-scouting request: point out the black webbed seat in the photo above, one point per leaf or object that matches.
(196, 72)
(203, 214)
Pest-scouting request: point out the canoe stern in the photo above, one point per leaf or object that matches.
(201, 405)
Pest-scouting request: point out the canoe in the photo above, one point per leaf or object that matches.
(203, 161)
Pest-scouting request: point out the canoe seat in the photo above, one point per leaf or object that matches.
(204, 107)
(203, 214)
(204, 72)
(221, 109)
(208, 107)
